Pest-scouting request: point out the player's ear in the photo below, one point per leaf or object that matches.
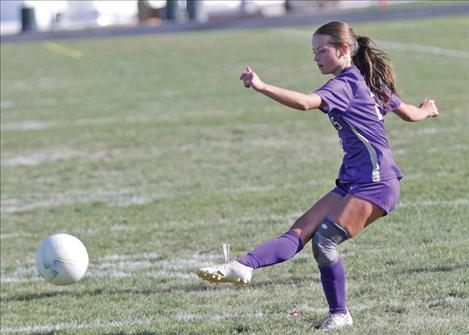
(344, 50)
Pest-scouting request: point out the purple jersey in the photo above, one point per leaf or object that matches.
(358, 118)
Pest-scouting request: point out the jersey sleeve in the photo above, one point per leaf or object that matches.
(395, 102)
(336, 94)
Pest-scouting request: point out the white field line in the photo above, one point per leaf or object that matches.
(121, 266)
(39, 157)
(31, 125)
(127, 197)
(65, 153)
(426, 130)
(90, 231)
(26, 125)
(37, 329)
(46, 329)
(427, 49)
(6, 104)
(12, 205)
(429, 29)
(5, 236)
(305, 308)
(453, 147)
(433, 203)
(287, 218)
(443, 174)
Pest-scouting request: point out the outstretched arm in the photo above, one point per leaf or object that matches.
(412, 113)
(289, 98)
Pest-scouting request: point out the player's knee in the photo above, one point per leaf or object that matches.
(325, 242)
(324, 250)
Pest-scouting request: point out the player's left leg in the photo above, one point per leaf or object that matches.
(346, 220)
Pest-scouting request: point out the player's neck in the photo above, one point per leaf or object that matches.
(341, 68)
(344, 63)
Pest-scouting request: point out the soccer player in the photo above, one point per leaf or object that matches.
(361, 92)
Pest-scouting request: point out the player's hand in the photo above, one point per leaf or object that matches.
(429, 106)
(251, 79)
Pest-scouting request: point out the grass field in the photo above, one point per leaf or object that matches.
(152, 153)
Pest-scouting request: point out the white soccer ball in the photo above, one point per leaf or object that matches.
(62, 259)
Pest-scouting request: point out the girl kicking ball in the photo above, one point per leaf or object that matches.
(361, 92)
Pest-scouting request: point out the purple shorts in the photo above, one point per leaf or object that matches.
(384, 194)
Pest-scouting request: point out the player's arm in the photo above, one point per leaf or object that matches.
(289, 98)
(413, 113)
(293, 99)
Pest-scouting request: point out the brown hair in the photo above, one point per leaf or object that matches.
(372, 62)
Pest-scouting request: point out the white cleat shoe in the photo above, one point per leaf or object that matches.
(232, 272)
(336, 321)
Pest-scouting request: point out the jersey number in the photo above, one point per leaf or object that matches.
(336, 124)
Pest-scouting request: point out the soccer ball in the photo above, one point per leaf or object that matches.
(62, 259)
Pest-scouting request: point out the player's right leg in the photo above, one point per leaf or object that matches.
(274, 251)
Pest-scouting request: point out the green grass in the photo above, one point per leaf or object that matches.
(150, 151)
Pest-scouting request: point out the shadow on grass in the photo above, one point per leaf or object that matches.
(197, 286)
(439, 268)
(306, 279)
(103, 291)
(111, 333)
(36, 296)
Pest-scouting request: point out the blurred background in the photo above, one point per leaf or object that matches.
(22, 16)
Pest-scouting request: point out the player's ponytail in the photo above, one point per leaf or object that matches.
(373, 65)
(372, 62)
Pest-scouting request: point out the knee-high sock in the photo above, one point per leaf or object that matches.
(274, 251)
(333, 282)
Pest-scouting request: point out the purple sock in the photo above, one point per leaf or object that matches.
(274, 251)
(333, 283)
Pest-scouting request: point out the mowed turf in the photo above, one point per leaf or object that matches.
(151, 152)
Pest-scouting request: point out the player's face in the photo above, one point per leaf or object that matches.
(326, 55)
